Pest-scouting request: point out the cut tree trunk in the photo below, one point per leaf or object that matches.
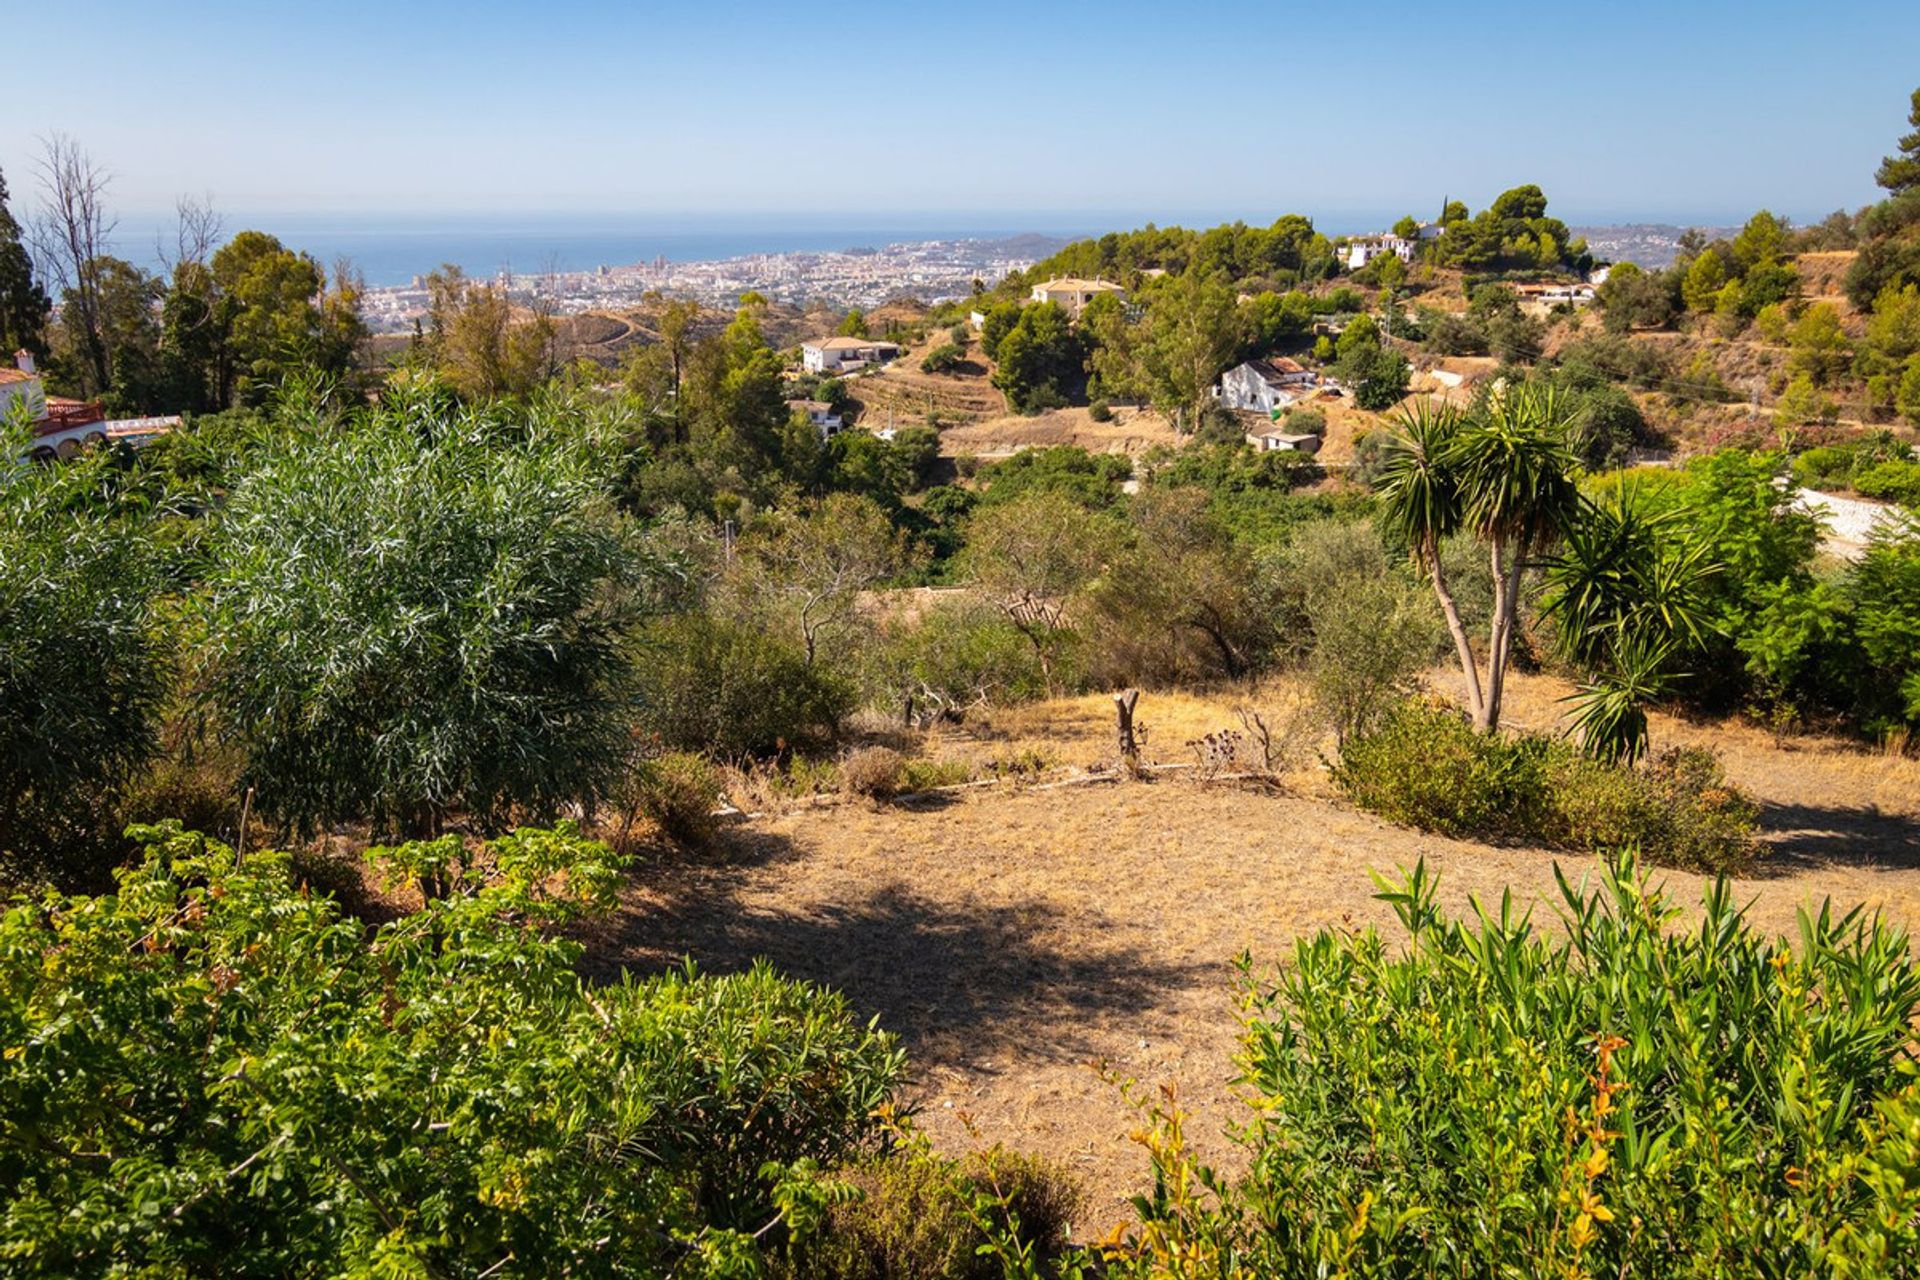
(1123, 704)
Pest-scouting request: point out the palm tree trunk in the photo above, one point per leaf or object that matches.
(1506, 587)
(1463, 646)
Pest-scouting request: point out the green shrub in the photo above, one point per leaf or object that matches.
(1893, 480)
(1678, 810)
(710, 684)
(920, 1216)
(1630, 1097)
(83, 667)
(925, 775)
(954, 656)
(944, 358)
(1424, 767)
(214, 1072)
(676, 792)
(875, 773)
(399, 628)
(1100, 410)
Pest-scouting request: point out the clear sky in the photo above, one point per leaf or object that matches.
(1170, 109)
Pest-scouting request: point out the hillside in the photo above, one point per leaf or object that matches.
(1023, 938)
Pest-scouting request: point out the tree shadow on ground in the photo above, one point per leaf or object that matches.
(953, 980)
(1801, 836)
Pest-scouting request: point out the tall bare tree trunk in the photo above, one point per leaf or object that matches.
(70, 236)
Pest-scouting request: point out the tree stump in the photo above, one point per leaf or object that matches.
(1123, 704)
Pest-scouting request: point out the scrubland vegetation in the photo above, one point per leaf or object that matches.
(483, 653)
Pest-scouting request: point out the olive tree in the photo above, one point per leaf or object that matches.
(409, 619)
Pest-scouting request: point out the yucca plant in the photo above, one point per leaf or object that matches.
(1503, 472)
(1610, 708)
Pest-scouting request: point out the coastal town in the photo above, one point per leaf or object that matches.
(929, 270)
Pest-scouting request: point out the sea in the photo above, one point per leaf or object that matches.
(392, 250)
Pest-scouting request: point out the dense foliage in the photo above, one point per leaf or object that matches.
(1639, 1096)
(399, 627)
(211, 1070)
(1422, 765)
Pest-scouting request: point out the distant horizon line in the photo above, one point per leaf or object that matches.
(996, 222)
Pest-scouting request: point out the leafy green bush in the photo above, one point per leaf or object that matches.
(83, 665)
(1425, 767)
(954, 656)
(710, 684)
(920, 1216)
(400, 627)
(944, 358)
(214, 1072)
(1678, 810)
(1632, 1098)
(1100, 410)
(1893, 480)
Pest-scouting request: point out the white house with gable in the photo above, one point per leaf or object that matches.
(1265, 386)
(1361, 252)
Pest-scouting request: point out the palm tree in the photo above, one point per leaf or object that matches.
(1420, 506)
(1502, 472)
(1517, 491)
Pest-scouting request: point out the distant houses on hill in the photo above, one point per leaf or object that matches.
(820, 414)
(843, 355)
(1362, 251)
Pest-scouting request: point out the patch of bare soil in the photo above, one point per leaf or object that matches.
(1020, 940)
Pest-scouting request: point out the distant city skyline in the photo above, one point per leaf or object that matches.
(1027, 117)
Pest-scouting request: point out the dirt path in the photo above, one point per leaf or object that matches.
(1018, 940)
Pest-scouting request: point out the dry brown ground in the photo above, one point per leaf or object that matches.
(1132, 431)
(1015, 939)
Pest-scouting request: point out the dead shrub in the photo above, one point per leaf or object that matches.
(873, 772)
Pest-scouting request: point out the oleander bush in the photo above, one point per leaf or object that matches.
(84, 665)
(1639, 1091)
(1425, 767)
(211, 1071)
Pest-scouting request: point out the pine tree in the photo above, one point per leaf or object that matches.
(24, 305)
(1901, 173)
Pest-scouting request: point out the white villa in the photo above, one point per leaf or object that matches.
(834, 355)
(1074, 294)
(820, 414)
(1361, 252)
(1265, 386)
(62, 427)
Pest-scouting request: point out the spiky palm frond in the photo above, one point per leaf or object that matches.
(1419, 492)
(1515, 468)
(1610, 709)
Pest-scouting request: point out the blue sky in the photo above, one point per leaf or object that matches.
(1169, 110)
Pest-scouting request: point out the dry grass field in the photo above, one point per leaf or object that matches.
(1020, 940)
